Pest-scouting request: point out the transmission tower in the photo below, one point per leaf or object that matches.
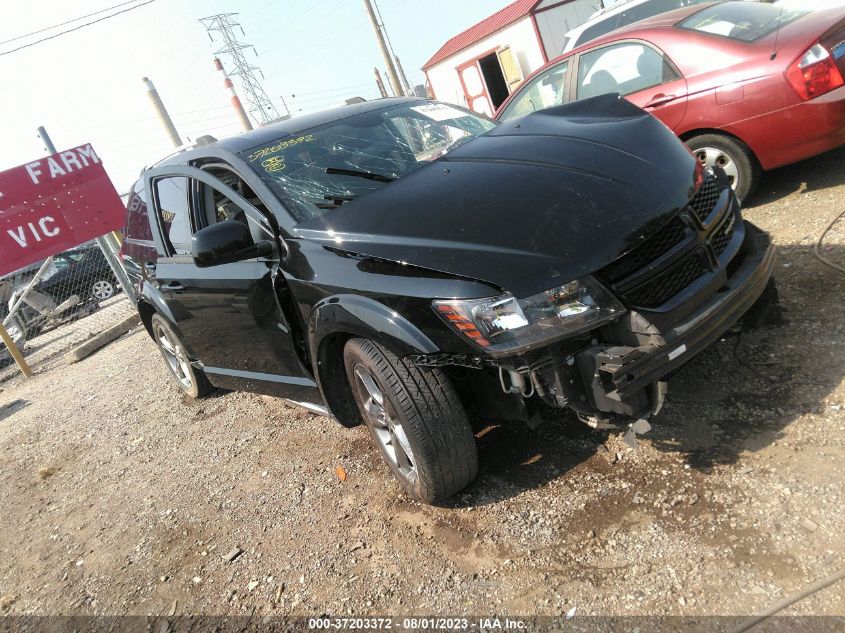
(224, 24)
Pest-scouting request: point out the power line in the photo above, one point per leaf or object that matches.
(76, 28)
(55, 26)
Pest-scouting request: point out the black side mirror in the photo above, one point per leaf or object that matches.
(226, 242)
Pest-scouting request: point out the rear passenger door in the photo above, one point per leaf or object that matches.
(229, 316)
(638, 71)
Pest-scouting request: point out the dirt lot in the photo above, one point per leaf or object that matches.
(119, 496)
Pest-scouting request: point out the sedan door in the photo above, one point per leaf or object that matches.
(638, 71)
(229, 316)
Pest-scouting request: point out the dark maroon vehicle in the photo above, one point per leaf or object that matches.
(748, 86)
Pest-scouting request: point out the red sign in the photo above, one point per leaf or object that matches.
(53, 204)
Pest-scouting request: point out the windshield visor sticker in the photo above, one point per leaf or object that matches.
(439, 112)
(279, 147)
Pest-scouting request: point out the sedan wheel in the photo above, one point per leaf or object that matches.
(715, 157)
(731, 156)
(102, 290)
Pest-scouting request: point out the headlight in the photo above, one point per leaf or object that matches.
(505, 324)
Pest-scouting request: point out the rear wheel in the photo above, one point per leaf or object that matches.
(102, 289)
(190, 379)
(416, 420)
(733, 156)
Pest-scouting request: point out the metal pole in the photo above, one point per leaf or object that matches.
(388, 60)
(379, 83)
(103, 242)
(163, 116)
(405, 83)
(284, 103)
(32, 282)
(236, 101)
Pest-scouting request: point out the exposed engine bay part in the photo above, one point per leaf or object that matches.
(516, 381)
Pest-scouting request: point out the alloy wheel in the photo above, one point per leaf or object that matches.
(102, 290)
(385, 425)
(175, 357)
(715, 157)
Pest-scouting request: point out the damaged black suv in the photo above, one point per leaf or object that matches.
(405, 263)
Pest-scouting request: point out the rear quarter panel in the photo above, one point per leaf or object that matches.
(740, 89)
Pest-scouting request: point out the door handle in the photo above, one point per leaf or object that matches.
(173, 286)
(659, 100)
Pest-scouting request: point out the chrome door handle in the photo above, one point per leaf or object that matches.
(173, 286)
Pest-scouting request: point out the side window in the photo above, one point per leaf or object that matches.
(172, 198)
(622, 68)
(215, 206)
(597, 30)
(649, 9)
(545, 90)
(138, 242)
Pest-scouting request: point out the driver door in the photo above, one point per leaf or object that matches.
(229, 316)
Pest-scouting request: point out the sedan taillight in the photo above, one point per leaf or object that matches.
(814, 73)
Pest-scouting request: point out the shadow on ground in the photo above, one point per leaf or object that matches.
(813, 174)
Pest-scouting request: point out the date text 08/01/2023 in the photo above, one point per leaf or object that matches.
(417, 623)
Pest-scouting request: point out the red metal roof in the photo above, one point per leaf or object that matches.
(478, 32)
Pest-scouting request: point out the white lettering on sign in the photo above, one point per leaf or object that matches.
(55, 170)
(72, 159)
(33, 172)
(20, 236)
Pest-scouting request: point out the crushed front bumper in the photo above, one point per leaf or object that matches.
(616, 376)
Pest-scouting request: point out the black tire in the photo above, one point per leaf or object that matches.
(425, 408)
(730, 150)
(191, 380)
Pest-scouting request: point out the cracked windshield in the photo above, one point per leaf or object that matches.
(320, 169)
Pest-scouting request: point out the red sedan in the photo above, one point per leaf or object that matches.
(741, 92)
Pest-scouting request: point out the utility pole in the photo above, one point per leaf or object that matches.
(161, 111)
(108, 243)
(388, 59)
(405, 83)
(380, 83)
(236, 101)
(260, 105)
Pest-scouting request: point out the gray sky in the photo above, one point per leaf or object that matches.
(86, 86)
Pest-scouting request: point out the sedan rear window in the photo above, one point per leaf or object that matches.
(321, 168)
(743, 21)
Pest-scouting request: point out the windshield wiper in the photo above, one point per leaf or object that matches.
(359, 174)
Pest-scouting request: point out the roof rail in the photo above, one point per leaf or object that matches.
(205, 139)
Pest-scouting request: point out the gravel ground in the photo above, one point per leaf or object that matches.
(120, 496)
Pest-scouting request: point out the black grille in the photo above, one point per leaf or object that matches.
(660, 289)
(705, 198)
(723, 235)
(644, 254)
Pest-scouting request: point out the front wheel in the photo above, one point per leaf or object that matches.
(190, 379)
(416, 420)
(732, 156)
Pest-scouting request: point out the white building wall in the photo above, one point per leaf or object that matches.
(554, 23)
(520, 36)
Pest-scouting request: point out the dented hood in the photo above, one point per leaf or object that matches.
(532, 204)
